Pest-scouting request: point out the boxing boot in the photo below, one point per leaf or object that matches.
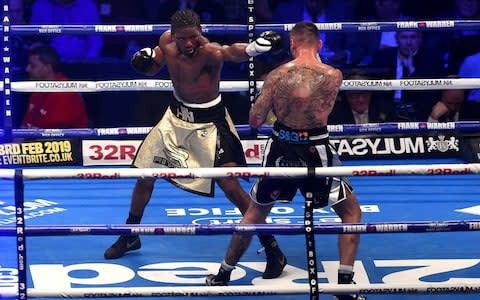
(276, 260)
(347, 278)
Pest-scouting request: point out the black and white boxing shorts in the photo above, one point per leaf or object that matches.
(289, 147)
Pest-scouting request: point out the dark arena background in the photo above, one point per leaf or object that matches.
(65, 192)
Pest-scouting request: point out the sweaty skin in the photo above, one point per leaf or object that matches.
(301, 93)
(194, 63)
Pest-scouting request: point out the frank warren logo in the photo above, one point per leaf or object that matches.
(395, 145)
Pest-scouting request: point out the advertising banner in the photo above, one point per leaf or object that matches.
(386, 146)
(53, 152)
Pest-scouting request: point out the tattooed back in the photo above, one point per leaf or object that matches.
(303, 93)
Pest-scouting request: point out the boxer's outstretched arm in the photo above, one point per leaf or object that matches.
(235, 52)
(266, 42)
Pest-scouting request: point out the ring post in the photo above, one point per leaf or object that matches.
(6, 118)
(310, 242)
(20, 233)
(252, 81)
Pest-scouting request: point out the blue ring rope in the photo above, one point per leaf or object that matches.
(291, 229)
(221, 29)
(245, 130)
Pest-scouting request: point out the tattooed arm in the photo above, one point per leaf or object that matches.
(264, 102)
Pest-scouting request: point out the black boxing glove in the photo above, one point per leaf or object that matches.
(266, 41)
(142, 61)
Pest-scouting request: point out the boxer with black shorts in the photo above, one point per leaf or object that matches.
(196, 130)
(301, 93)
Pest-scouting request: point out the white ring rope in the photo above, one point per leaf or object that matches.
(118, 173)
(235, 86)
(249, 290)
(7, 173)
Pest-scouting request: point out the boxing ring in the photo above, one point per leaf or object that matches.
(55, 222)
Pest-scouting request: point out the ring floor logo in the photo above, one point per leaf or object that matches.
(278, 215)
(8, 279)
(406, 271)
(32, 209)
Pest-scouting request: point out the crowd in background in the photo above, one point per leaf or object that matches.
(360, 55)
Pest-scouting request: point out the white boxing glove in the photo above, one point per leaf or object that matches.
(267, 41)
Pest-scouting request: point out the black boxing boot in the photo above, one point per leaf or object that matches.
(347, 278)
(125, 242)
(223, 276)
(276, 261)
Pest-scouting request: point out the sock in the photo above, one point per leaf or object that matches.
(224, 272)
(226, 267)
(133, 219)
(345, 269)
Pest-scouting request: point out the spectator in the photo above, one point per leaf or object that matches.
(456, 45)
(19, 48)
(335, 44)
(122, 12)
(70, 12)
(407, 61)
(452, 107)
(19, 43)
(366, 44)
(360, 107)
(17, 12)
(465, 42)
(470, 68)
(52, 109)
